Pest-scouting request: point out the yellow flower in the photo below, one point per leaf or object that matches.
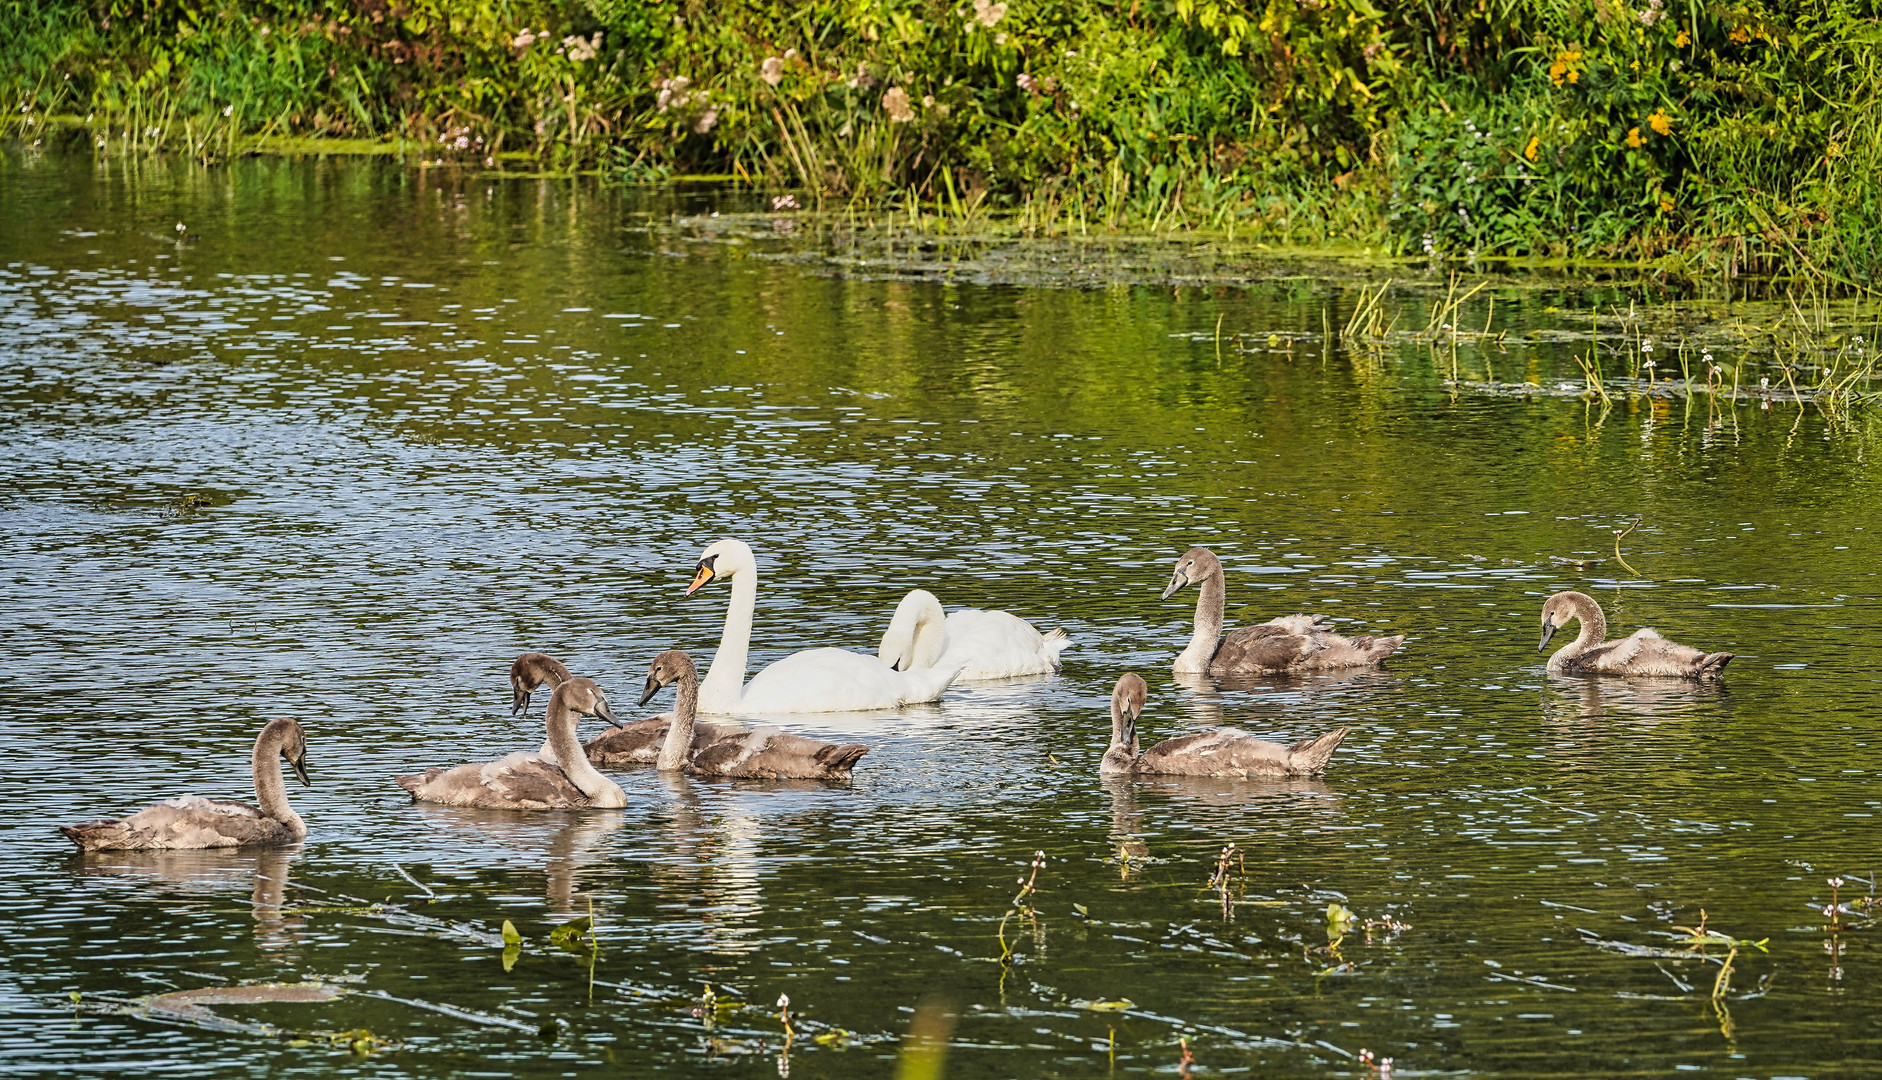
(1661, 123)
(1740, 34)
(1634, 141)
(1681, 41)
(1535, 144)
(1564, 67)
(1666, 205)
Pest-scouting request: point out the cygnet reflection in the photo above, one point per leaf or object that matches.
(1596, 697)
(213, 873)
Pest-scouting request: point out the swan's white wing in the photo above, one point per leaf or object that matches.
(826, 680)
(995, 645)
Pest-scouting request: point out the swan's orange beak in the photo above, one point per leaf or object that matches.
(699, 579)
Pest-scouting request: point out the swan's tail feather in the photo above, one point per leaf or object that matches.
(841, 759)
(927, 684)
(1378, 649)
(1055, 641)
(1712, 663)
(1312, 755)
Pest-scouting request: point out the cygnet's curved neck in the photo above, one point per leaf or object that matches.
(673, 752)
(725, 679)
(1594, 628)
(1121, 755)
(1207, 637)
(561, 721)
(271, 789)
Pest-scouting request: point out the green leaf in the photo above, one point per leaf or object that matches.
(569, 934)
(1109, 1005)
(1083, 911)
(510, 936)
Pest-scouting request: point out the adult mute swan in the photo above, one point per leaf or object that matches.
(815, 680)
(1216, 752)
(190, 821)
(1644, 652)
(1289, 643)
(529, 781)
(758, 754)
(985, 644)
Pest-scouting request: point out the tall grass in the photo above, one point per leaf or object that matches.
(1707, 140)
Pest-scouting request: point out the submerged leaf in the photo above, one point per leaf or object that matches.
(1108, 1005)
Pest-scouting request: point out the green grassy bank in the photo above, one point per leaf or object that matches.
(1708, 140)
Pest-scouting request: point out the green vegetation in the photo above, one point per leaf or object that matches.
(1708, 139)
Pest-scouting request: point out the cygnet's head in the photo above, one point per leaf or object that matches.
(1558, 611)
(724, 559)
(293, 745)
(1196, 564)
(584, 698)
(667, 668)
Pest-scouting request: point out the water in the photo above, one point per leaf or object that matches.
(376, 432)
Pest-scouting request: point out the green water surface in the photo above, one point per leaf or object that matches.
(371, 432)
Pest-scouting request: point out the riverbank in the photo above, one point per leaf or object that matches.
(1715, 146)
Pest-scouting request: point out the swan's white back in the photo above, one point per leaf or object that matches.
(998, 645)
(836, 680)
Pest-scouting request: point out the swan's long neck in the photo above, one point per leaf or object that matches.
(680, 732)
(600, 790)
(1594, 629)
(1121, 755)
(1208, 634)
(271, 789)
(725, 679)
(931, 636)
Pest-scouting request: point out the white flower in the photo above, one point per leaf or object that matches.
(524, 39)
(772, 70)
(895, 103)
(988, 14)
(580, 49)
(706, 120)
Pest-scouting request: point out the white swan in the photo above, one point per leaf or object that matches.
(985, 644)
(815, 680)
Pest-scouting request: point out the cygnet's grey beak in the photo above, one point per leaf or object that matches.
(605, 713)
(653, 687)
(1177, 581)
(1548, 631)
(300, 769)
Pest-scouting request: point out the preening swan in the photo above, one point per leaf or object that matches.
(1216, 752)
(759, 753)
(1289, 643)
(190, 821)
(1644, 652)
(529, 781)
(985, 644)
(815, 680)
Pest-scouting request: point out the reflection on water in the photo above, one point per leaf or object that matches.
(378, 432)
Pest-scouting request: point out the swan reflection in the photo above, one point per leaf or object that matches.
(213, 873)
